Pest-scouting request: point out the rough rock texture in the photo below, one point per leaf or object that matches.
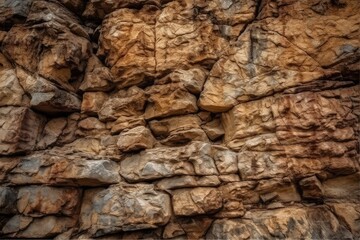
(170, 119)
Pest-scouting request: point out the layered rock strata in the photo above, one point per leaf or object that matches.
(138, 119)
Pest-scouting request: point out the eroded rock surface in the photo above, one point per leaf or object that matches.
(157, 119)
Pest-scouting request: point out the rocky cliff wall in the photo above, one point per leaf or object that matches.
(183, 119)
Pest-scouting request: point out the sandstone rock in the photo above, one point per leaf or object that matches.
(184, 38)
(135, 139)
(11, 92)
(311, 188)
(62, 170)
(336, 45)
(173, 230)
(125, 123)
(64, 42)
(349, 213)
(68, 133)
(7, 200)
(45, 96)
(41, 200)
(214, 129)
(290, 222)
(178, 130)
(123, 104)
(235, 195)
(225, 160)
(97, 77)
(286, 115)
(156, 163)
(51, 132)
(92, 102)
(188, 202)
(27, 227)
(334, 188)
(127, 39)
(187, 181)
(124, 208)
(91, 126)
(20, 128)
(169, 100)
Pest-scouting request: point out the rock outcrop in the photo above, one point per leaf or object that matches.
(152, 119)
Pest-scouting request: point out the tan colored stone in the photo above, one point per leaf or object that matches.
(188, 202)
(214, 129)
(311, 188)
(20, 128)
(97, 77)
(46, 227)
(63, 54)
(92, 102)
(11, 92)
(125, 123)
(123, 104)
(290, 222)
(136, 139)
(45, 96)
(349, 213)
(178, 130)
(187, 181)
(344, 187)
(42, 200)
(127, 39)
(124, 208)
(192, 79)
(62, 170)
(169, 100)
(160, 162)
(51, 132)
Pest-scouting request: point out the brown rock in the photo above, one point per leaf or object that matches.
(12, 12)
(214, 129)
(62, 170)
(127, 39)
(51, 132)
(92, 102)
(124, 208)
(290, 222)
(125, 123)
(334, 188)
(20, 128)
(349, 213)
(187, 181)
(63, 55)
(192, 79)
(156, 163)
(7, 200)
(46, 227)
(41, 200)
(178, 130)
(123, 104)
(135, 139)
(11, 92)
(97, 77)
(169, 100)
(196, 201)
(45, 96)
(311, 188)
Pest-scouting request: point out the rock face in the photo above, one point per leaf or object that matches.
(154, 119)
